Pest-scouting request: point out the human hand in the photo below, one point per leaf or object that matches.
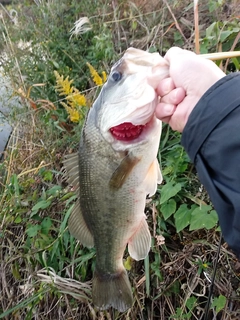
(190, 77)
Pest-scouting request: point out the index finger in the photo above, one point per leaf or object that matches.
(165, 86)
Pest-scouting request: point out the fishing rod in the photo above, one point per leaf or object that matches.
(220, 55)
(212, 281)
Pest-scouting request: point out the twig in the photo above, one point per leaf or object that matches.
(196, 23)
(232, 48)
(175, 20)
(114, 6)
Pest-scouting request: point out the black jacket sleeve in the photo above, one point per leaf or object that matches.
(211, 138)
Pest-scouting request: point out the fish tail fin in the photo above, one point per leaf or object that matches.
(112, 290)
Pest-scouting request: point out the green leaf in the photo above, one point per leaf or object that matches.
(33, 230)
(236, 63)
(18, 219)
(209, 30)
(56, 65)
(219, 303)
(48, 176)
(169, 190)
(191, 302)
(202, 219)
(168, 208)
(183, 216)
(134, 25)
(64, 222)
(42, 204)
(54, 191)
(224, 35)
(46, 225)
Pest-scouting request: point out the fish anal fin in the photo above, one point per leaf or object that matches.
(78, 228)
(153, 177)
(120, 175)
(140, 243)
(71, 166)
(112, 290)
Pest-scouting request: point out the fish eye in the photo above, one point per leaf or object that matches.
(116, 76)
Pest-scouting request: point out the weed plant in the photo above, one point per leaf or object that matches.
(45, 273)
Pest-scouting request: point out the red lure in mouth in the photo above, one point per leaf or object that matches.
(126, 131)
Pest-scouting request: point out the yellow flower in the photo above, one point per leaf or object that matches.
(76, 99)
(63, 85)
(95, 76)
(74, 114)
(104, 76)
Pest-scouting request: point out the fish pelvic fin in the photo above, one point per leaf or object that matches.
(120, 175)
(112, 290)
(78, 227)
(71, 168)
(154, 177)
(140, 243)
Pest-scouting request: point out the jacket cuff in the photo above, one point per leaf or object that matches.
(217, 102)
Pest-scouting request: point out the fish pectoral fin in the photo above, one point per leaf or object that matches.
(78, 228)
(120, 175)
(153, 177)
(140, 243)
(71, 166)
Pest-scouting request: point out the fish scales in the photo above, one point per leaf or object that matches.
(114, 170)
(114, 218)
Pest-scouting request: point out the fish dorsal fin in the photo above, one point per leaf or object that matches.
(140, 243)
(120, 175)
(78, 228)
(71, 166)
(76, 223)
(153, 177)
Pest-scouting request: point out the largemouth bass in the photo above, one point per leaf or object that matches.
(115, 169)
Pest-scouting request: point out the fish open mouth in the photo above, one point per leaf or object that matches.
(126, 131)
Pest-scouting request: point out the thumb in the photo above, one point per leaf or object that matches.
(174, 52)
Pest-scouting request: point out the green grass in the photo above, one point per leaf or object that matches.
(45, 273)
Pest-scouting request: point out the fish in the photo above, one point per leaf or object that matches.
(114, 170)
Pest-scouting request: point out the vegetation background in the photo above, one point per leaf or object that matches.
(44, 272)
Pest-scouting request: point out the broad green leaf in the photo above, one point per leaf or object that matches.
(46, 225)
(169, 190)
(219, 303)
(48, 176)
(168, 208)
(33, 230)
(42, 204)
(183, 216)
(224, 35)
(191, 302)
(202, 219)
(236, 63)
(18, 219)
(54, 191)
(209, 30)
